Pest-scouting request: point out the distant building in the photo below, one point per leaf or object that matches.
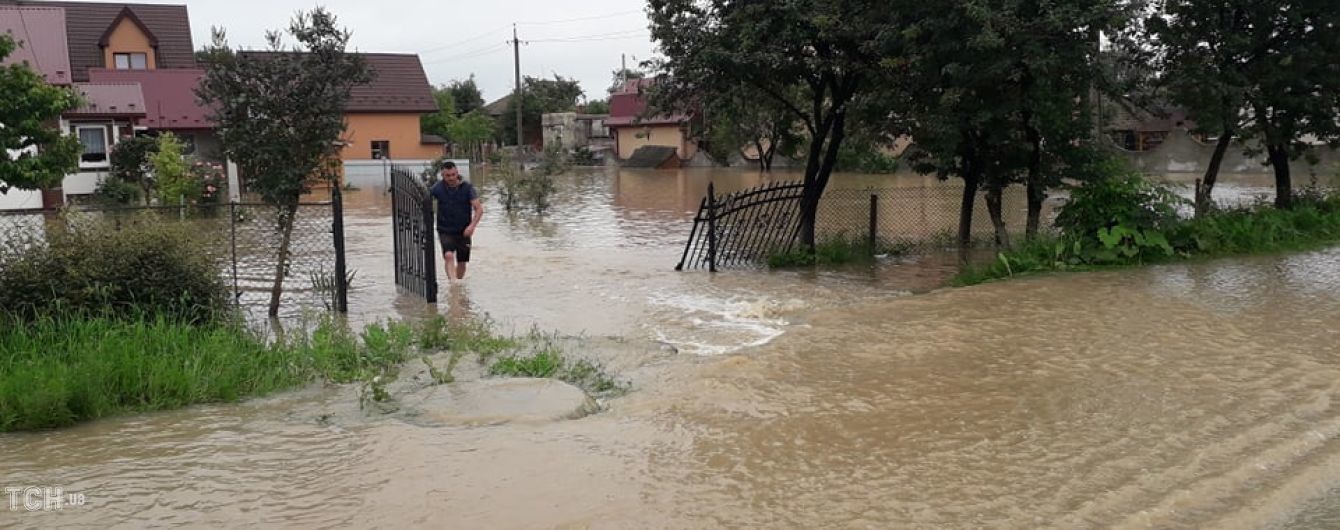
(633, 129)
(571, 131)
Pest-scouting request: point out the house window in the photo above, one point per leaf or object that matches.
(131, 61)
(187, 143)
(381, 149)
(94, 140)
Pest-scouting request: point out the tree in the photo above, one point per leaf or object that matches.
(131, 164)
(438, 122)
(747, 119)
(33, 152)
(997, 95)
(541, 96)
(1261, 71)
(171, 174)
(471, 130)
(813, 58)
(465, 95)
(280, 114)
(599, 106)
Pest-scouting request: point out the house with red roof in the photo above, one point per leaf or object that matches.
(634, 128)
(134, 65)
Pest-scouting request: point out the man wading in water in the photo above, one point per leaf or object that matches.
(458, 213)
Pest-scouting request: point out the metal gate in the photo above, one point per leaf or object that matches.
(412, 221)
(745, 226)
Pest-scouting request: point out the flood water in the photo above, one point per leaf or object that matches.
(1198, 395)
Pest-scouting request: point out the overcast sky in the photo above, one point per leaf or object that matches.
(455, 38)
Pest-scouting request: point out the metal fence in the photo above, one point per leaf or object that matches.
(243, 239)
(918, 218)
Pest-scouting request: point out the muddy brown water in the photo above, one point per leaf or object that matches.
(1200, 395)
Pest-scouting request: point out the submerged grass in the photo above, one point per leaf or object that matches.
(836, 250)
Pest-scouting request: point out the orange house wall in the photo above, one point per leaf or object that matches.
(401, 129)
(127, 38)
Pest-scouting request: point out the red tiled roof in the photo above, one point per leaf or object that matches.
(628, 105)
(40, 32)
(108, 99)
(87, 22)
(398, 85)
(169, 96)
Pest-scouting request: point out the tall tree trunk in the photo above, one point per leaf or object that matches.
(765, 158)
(814, 189)
(1205, 188)
(1279, 158)
(287, 216)
(1036, 188)
(971, 173)
(995, 208)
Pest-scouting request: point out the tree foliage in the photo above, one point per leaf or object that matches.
(280, 114)
(465, 95)
(33, 152)
(131, 164)
(814, 58)
(541, 96)
(172, 175)
(1263, 71)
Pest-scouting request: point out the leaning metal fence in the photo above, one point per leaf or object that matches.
(743, 228)
(243, 239)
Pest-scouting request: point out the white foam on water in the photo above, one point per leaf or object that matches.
(704, 324)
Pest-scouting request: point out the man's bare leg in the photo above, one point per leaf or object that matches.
(460, 271)
(449, 263)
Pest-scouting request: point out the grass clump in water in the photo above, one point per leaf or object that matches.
(837, 250)
(547, 360)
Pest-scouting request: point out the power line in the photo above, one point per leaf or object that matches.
(473, 53)
(565, 21)
(459, 42)
(597, 36)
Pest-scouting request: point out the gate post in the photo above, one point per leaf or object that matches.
(874, 221)
(430, 263)
(337, 231)
(711, 228)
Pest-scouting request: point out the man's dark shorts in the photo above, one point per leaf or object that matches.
(455, 242)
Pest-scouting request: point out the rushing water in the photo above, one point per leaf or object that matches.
(1200, 395)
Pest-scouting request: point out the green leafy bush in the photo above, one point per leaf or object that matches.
(136, 267)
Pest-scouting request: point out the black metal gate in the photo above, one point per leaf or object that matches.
(412, 214)
(745, 226)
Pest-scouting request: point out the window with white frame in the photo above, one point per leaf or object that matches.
(94, 140)
(131, 61)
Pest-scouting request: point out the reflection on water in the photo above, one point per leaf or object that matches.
(1196, 395)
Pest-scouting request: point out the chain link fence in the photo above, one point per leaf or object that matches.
(918, 218)
(243, 239)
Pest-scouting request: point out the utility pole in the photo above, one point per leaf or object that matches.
(518, 100)
(623, 70)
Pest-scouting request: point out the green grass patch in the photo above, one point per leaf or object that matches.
(1313, 222)
(547, 360)
(59, 371)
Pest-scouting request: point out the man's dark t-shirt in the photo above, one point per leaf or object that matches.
(453, 206)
